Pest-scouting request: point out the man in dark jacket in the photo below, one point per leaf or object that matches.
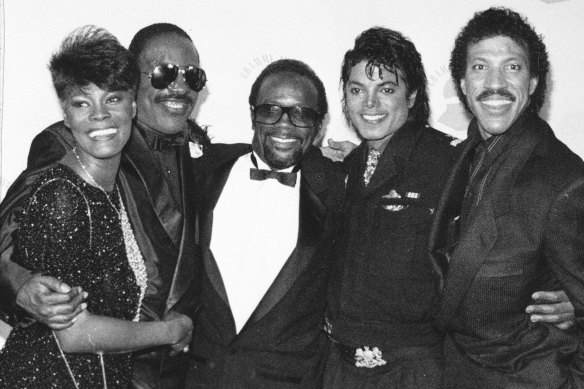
(510, 219)
(268, 214)
(158, 189)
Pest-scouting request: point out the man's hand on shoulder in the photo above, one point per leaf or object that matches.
(51, 301)
(337, 151)
(552, 307)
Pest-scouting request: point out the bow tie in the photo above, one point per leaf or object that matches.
(288, 179)
(162, 143)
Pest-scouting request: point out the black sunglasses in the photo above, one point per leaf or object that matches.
(165, 74)
(299, 116)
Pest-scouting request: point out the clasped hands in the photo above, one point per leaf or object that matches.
(57, 305)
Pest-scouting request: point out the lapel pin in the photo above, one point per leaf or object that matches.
(195, 149)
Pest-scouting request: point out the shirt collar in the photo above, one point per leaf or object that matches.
(156, 138)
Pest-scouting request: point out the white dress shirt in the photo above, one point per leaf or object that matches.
(255, 229)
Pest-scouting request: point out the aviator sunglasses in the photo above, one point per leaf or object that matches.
(302, 117)
(165, 74)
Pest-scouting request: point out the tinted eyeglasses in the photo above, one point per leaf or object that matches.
(299, 116)
(165, 74)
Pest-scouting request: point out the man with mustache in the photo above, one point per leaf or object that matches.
(268, 216)
(158, 189)
(510, 221)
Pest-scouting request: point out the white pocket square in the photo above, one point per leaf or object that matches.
(394, 202)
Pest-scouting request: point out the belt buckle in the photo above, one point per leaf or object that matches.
(369, 358)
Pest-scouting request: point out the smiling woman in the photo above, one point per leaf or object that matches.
(74, 227)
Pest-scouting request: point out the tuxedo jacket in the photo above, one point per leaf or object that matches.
(526, 235)
(282, 343)
(164, 230)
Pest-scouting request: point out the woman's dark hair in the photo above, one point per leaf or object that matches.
(500, 21)
(92, 55)
(385, 49)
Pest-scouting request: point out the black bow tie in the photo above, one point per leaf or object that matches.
(288, 179)
(162, 143)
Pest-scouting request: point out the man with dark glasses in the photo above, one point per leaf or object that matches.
(158, 189)
(164, 75)
(268, 214)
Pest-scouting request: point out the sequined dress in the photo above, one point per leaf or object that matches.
(71, 231)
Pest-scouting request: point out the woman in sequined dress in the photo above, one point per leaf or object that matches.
(75, 227)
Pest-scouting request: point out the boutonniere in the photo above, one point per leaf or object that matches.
(195, 149)
(198, 136)
(394, 202)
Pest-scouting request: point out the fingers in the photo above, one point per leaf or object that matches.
(73, 298)
(566, 325)
(332, 154)
(552, 318)
(344, 146)
(551, 309)
(560, 311)
(552, 313)
(54, 284)
(178, 348)
(333, 144)
(63, 316)
(54, 309)
(60, 322)
(555, 296)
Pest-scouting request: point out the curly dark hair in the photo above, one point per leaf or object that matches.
(383, 48)
(497, 21)
(92, 55)
(142, 37)
(295, 67)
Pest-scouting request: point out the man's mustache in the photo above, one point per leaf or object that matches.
(185, 97)
(492, 92)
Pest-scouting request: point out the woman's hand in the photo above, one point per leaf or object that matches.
(181, 331)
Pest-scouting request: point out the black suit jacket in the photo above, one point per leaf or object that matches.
(164, 231)
(282, 343)
(526, 235)
(384, 251)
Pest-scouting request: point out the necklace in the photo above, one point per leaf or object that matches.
(94, 183)
(133, 253)
(134, 257)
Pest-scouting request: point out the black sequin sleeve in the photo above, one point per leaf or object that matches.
(55, 229)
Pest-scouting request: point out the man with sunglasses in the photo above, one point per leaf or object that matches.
(268, 214)
(158, 187)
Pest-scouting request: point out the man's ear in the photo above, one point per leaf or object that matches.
(533, 81)
(133, 109)
(412, 98)
(251, 115)
(463, 86)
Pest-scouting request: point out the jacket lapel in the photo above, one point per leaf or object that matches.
(445, 229)
(392, 161)
(185, 268)
(145, 163)
(481, 232)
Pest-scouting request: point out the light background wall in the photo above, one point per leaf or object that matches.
(236, 39)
